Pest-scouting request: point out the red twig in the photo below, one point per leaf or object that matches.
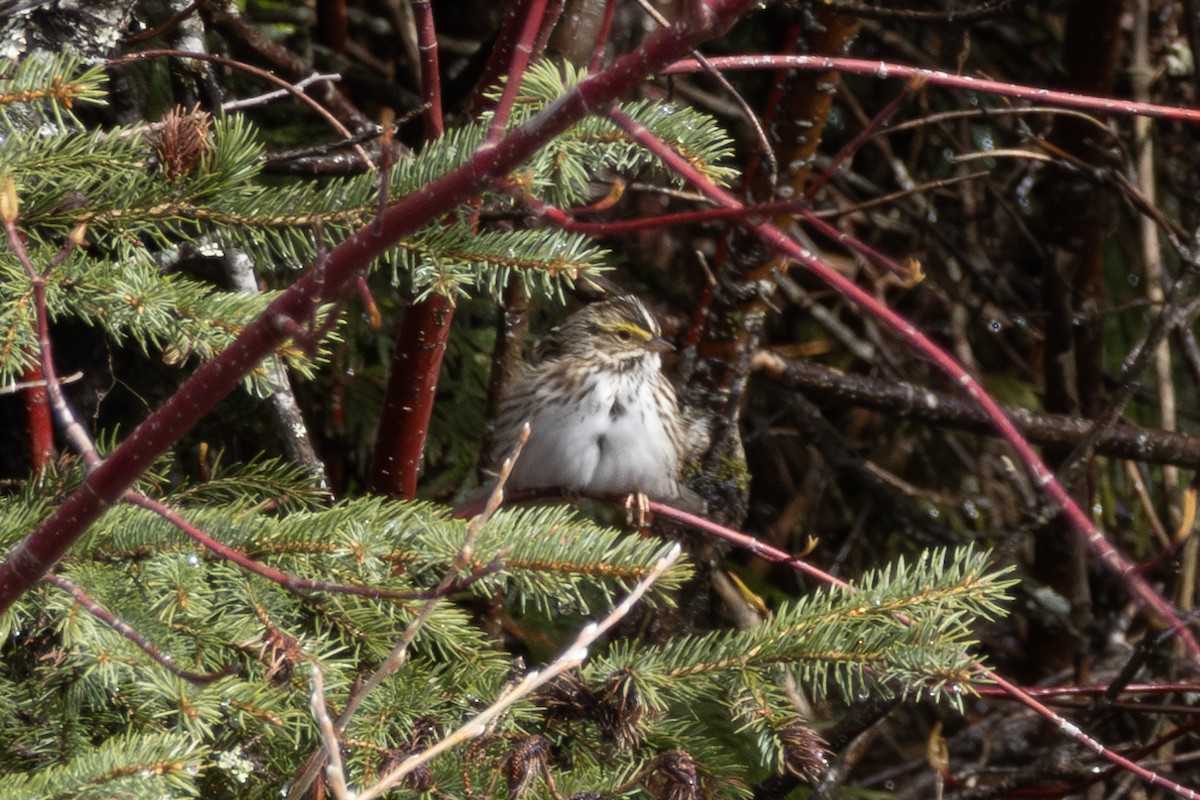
(431, 81)
(53, 386)
(761, 549)
(1070, 729)
(774, 103)
(851, 147)
(883, 69)
(1144, 594)
(111, 620)
(421, 337)
(562, 219)
(856, 244)
(764, 144)
(162, 28)
(610, 8)
(522, 52)
(501, 55)
(1093, 690)
(38, 422)
(370, 307)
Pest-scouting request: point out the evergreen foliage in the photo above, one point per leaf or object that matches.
(136, 202)
(224, 711)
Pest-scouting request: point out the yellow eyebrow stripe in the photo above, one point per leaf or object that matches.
(637, 331)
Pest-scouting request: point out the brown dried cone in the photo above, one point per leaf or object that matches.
(805, 753)
(616, 708)
(529, 759)
(180, 141)
(675, 775)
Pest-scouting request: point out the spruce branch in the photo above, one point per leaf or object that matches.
(296, 583)
(903, 629)
(1065, 727)
(130, 633)
(132, 766)
(52, 87)
(399, 653)
(570, 658)
(462, 560)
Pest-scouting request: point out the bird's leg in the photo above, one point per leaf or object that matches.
(642, 501)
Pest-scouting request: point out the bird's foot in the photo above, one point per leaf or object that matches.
(639, 502)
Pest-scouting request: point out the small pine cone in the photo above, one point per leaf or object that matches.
(180, 141)
(805, 753)
(675, 775)
(621, 711)
(528, 759)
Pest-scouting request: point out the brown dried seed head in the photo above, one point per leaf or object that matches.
(528, 759)
(805, 753)
(181, 141)
(675, 775)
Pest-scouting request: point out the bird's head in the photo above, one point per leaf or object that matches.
(620, 330)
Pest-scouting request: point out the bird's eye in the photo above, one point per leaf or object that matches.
(624, 335)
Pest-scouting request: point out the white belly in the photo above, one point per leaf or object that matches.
(606, 440)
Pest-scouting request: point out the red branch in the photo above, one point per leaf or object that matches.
(421, 337)
(501, 55)
(1143, 593)
(610, 8)
(38, 421)
(522, 52)
(883, 69)
(124, 629)
(431, 81)
(408, 402)
(42, 548)
(37, 279)
(561, 219)
(421, 340)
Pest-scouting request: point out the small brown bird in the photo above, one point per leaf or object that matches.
(603, 418)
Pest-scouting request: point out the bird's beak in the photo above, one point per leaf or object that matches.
(659, 345)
